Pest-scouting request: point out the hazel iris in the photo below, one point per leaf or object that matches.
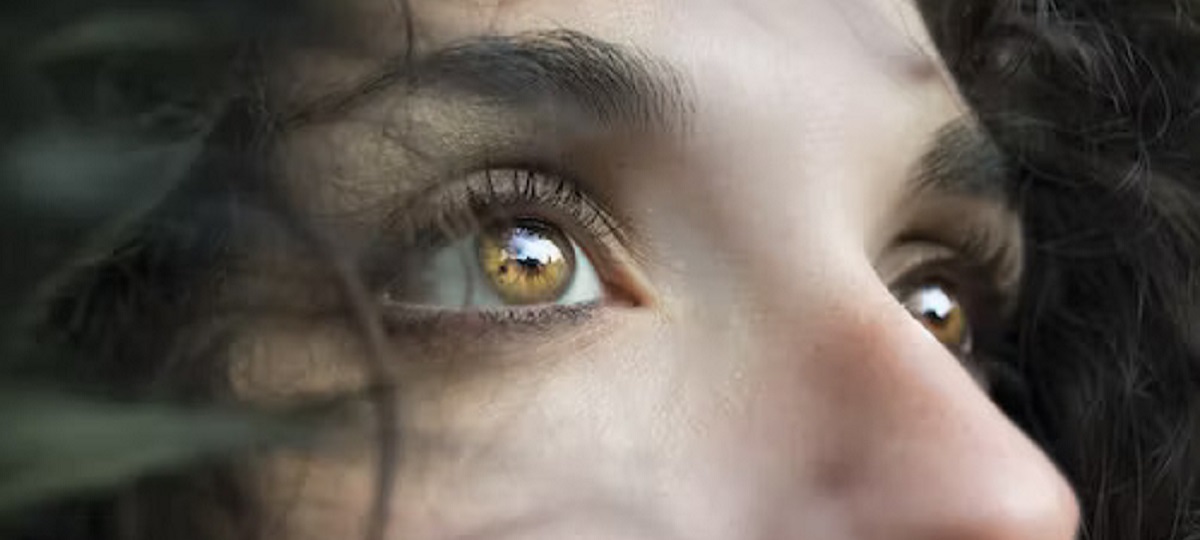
(526, 261)
(942, 315)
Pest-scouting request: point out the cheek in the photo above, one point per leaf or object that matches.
(631, 433)
(488, 435)
(572, 440)
(305, 497)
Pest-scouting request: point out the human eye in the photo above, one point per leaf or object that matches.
(942, 312)
(961, 291)
(518, 261)
(506, 242)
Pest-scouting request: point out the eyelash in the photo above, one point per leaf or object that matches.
(460, 207)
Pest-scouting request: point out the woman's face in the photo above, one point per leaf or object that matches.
(703, 269)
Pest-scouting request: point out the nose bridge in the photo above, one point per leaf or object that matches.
(908, 445)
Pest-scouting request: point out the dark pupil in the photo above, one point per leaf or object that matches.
(935, 317)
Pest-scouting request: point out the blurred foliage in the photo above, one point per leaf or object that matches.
(56, 445)
(104, 107)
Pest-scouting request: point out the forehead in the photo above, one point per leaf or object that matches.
(777, 53)
(887, 29)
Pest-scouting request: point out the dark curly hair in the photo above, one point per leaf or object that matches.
(1095, 103)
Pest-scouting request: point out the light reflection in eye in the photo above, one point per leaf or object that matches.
(941, 313)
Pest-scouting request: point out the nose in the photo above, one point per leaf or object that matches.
(913, 447)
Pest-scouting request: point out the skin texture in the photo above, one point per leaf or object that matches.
(751, 373)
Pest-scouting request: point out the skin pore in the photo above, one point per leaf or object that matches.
(760, 187)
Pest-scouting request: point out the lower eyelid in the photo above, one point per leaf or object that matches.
(427, 322)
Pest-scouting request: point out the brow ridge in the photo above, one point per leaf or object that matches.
(963, 160)
(564, 69)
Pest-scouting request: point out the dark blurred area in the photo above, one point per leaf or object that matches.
(104, 108)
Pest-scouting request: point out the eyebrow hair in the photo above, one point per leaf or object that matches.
(963, 160)
(617, 85)
(609, 83)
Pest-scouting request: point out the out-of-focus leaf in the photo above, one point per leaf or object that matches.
(62, 191)
(120, 31)
(82, 177)
(104, 107)
(52, 445)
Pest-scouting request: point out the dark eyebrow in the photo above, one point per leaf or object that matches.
(963, 160)
(612, 84)
(567, 70)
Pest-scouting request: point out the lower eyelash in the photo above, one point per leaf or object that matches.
(425, 322)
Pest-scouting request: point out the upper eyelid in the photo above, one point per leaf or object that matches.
(950, 229)
(989, 239)
(502, 185)
(609, 218)
(973, 258)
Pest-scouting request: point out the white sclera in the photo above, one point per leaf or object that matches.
(453, 278)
